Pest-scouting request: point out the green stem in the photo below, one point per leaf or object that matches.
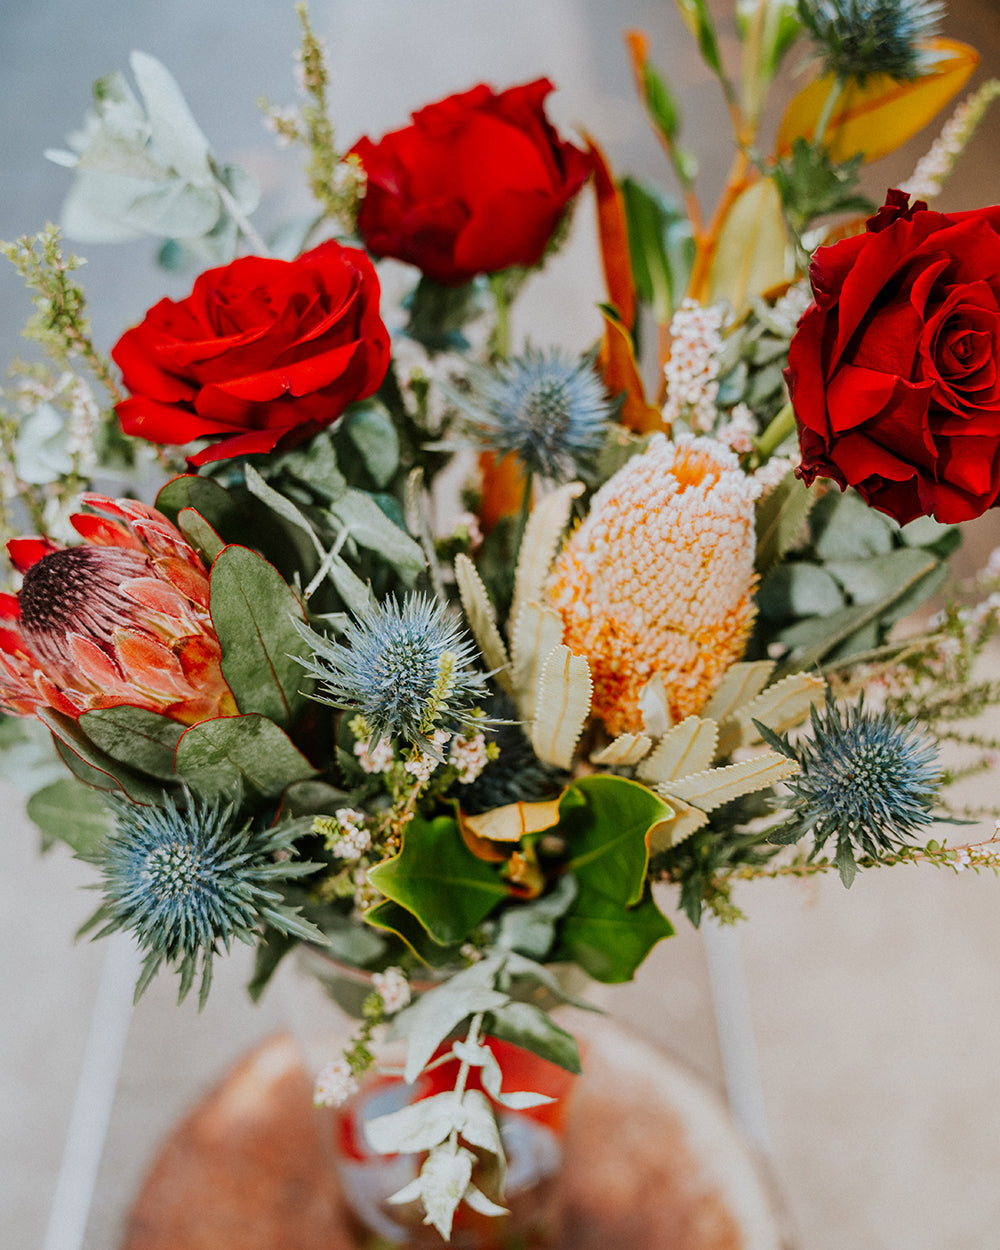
(836, 91)
(501, 331)
(243, 223)
(523, 514)
(776, 433)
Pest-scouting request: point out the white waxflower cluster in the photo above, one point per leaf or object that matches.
(353, 837)
(423, 764)
(334, 1084)
(934, 168)
(692, 371)
(374, 757)
(773, 471)
(393, 988)
(738, 431)
(469, 756)
(84, 420)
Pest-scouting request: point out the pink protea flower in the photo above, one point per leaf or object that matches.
(122, 618)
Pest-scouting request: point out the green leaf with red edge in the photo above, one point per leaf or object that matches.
(203, 495)
(613, 922)
(71, 813)
(94, 766)
(249, 752)
(438, 880)
(140, 739)
(253, 610)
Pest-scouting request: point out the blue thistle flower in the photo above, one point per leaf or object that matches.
(551, 411)
(404, 667)
(857, 38)
(866, 779)
(187, 880)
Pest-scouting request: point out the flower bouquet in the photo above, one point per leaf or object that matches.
(374, 631)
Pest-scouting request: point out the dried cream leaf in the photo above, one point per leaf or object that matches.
(780, 707)
(688, 748)
(627, 749)
(742, 682)
(549, 518)
(655, 709)
(685, 821)
(715, 786)
(511, 822)
(535, 633)
(561, 707)
(480, 614)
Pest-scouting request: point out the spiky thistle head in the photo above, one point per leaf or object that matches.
(551, 411)
(867, 780)
(404, 666)
(858, 38)
(187, 878)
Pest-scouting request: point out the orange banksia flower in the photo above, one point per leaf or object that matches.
(657, 579)
(122, 618)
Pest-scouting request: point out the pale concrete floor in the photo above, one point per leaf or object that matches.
(877, 1013)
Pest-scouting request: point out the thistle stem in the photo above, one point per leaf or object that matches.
(823, 122)
(776, 433)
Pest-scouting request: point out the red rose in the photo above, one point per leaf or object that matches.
(893, 371)
(262, 352)
(477, 183)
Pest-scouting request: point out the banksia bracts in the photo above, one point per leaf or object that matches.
(123, 618)
(657, 579)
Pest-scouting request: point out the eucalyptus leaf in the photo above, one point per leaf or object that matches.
(216, 757)
(370, 528)
(844, 527)
(799, 589)
(141, 739)
(176, 134)
(200, 534)
(253, 611)
(67, 811)
(371, 430)
(40, 449)
(203, 496)
(92, 764)
(867, 581)
(175, 209)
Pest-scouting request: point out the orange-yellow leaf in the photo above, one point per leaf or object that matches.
(502, 488)
(751, 252)
(613, 232)
(881, 116)
(621, 376)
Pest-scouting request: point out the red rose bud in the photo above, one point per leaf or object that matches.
(121, 619)
(476, 184)
(894, 371)
(262, 353)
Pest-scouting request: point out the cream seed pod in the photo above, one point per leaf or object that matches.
(658, 578)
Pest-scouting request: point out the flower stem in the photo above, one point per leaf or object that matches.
(501, 331)
(823, 122)
(243, 223)
(776, 433)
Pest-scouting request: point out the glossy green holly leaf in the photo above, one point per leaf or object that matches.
(438, 879)
(253, 610)
(614, 923)
(391, 918)
(69, 812)
(141, 739)
(250, 752)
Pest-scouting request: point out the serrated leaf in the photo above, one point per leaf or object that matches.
(655, 707)
(481, 616)
(716, 786)
(253, 610)
(684, 821)
(542, 536)
(536, 631)
(780, 707)
(71, 813)
(688, 748)
(438, 879)
(780, 518)
(141, 739)
(176, 134)
(623, 752)
(562, 705)
(742, 682)
(217, 756)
